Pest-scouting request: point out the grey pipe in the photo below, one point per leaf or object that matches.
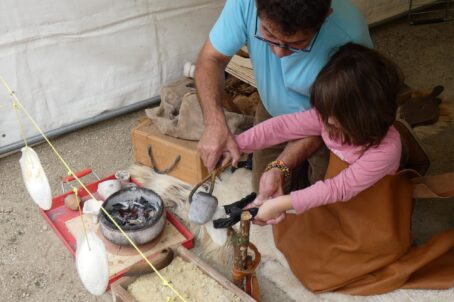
(81, 124)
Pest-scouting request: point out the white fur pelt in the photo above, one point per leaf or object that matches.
(231, 187)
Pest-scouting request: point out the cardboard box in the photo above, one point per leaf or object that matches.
(165, 149)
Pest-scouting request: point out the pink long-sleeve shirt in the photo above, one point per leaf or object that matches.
(365, 169)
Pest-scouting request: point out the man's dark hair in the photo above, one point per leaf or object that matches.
(294, 15)
(358, 87)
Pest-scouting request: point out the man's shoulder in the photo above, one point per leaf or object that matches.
(348, 20)
(243, 10)
(245, 5)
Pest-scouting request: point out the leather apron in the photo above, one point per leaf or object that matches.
(363, 246)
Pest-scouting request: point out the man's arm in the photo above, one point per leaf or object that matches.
(298, 151)
(272, 181)
(209, 78)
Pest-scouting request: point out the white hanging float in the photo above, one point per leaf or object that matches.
(35, 179)
(91, 256)
(92, 265)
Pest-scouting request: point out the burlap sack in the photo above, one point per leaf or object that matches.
(179, 114)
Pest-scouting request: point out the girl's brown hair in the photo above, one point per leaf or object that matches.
(358, 87)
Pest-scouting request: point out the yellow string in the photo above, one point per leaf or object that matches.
(70, 172)
(76, 193)
(21, 128)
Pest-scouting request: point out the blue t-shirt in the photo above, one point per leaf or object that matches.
(284, 83)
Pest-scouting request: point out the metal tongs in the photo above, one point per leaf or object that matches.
(234, 211)
(203, 205)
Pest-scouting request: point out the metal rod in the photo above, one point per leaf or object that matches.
(81, 124)
(426, 9)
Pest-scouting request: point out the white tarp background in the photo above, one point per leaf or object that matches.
(74, 59)
(71, 60)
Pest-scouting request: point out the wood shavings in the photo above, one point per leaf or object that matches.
(187, 279)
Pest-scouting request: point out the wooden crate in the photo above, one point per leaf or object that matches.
(165, 148)
(120, 293)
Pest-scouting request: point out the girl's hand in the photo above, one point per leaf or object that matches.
(256, 204)
(273, 210)
(268, 210)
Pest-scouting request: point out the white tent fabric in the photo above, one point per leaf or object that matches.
(72, 60)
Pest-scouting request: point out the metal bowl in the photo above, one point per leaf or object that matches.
(139, 234)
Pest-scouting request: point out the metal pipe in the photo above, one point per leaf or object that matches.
(81, 124)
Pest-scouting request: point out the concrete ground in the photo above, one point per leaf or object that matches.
(34, 264)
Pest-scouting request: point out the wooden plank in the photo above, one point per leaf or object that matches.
(241, 68)
(119, 292)
(122, 257)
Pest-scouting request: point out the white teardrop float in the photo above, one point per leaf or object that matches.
(92, 265)
(35, 179)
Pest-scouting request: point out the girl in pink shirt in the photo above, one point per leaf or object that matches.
(354, 107)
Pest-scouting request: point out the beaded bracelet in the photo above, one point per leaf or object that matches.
(280, 165)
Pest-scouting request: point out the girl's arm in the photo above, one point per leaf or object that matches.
(280, 129)
(366, 171)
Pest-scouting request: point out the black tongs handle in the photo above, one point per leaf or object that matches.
(235, 217)
(234, 211)
(240, 204)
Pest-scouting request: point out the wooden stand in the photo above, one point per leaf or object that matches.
(120, 258)
(244, 266)
(240, 245)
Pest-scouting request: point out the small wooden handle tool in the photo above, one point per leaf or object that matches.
(159, 261)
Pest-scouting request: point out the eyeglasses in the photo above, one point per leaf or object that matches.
(284, 46)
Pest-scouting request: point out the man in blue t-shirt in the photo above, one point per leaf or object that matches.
(289, 42)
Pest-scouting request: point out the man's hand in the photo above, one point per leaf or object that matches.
(271, 184)
(214, 142)
(209, 80)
